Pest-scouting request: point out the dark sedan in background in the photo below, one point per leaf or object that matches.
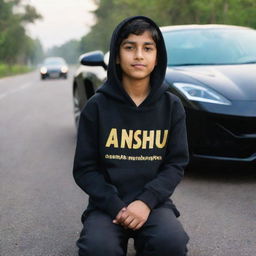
(54, 67)
(212, 69)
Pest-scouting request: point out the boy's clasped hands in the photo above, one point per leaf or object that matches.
(133, 216)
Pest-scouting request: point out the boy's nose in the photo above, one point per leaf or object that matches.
(139, 54)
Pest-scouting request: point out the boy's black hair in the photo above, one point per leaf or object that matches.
(137, 27)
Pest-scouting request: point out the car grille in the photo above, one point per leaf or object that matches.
(239, 127)
(54, 71)
(223, 136)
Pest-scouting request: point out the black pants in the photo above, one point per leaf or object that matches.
(161, 235)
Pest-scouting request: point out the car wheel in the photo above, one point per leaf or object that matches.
(77, 110)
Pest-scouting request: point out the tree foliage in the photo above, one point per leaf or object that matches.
(70, 51)
(15, 45)
(166, 12)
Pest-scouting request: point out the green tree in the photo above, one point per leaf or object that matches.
(33, 52)
(70, 51)
(14, 15)
(166, 12)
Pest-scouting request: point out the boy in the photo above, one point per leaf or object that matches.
(131, 151)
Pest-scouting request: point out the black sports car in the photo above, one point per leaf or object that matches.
(54, 67)
(212, 69)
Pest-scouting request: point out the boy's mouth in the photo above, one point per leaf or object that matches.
(138, 65)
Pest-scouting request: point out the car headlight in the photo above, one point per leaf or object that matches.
(43, 70)
(64, 69)
(200, 93)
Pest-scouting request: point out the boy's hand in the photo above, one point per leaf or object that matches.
(134, 216)
(119, 215)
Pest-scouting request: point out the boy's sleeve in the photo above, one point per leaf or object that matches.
(171, 171)
(86, 171)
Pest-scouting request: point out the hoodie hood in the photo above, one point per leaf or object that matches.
(113, 86)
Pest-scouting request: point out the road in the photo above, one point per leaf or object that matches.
(40, 204)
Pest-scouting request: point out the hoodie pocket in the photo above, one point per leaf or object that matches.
(130, 181)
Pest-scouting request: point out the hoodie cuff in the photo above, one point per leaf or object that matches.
(149, 198)
(114, 206)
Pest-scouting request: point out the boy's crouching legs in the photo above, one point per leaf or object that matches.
(100, 237)
(162, 235)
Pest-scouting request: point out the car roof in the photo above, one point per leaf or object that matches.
(205, 26)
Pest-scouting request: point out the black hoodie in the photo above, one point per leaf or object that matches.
(126, 152)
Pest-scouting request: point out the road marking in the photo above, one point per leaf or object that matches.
(23, 87)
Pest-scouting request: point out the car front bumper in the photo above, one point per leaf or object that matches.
(221, 137)
(54, 74)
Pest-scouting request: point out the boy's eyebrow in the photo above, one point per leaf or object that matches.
(134, 42)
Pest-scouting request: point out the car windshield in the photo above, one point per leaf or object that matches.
(54, 61)
(214, 46)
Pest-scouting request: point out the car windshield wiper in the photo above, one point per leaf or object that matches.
(212, 64)
(249, 62)
(194, 64)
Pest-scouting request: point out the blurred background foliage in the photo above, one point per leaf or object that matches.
(167, 12)
(16, 47)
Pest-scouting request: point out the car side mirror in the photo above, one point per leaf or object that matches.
(95, 58)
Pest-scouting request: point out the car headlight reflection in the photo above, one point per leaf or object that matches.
(43, 70)
(64, 69)
(200, 93)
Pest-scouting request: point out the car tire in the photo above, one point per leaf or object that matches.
(76, 103)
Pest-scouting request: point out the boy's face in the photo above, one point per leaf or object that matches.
(137, 56)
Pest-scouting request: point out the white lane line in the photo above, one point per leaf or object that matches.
(23, 87)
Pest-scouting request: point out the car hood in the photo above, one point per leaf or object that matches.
(235, 82)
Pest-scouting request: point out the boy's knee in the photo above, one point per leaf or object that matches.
(169, 244)
(97, 245)
(99, 250)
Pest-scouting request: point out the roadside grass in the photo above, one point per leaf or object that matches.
(6, 70)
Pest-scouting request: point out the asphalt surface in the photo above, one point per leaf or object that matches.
(40, 204)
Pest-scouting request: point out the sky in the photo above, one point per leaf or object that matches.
(62, 20)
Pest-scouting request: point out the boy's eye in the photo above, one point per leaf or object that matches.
(128, 47)
(148, 49)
